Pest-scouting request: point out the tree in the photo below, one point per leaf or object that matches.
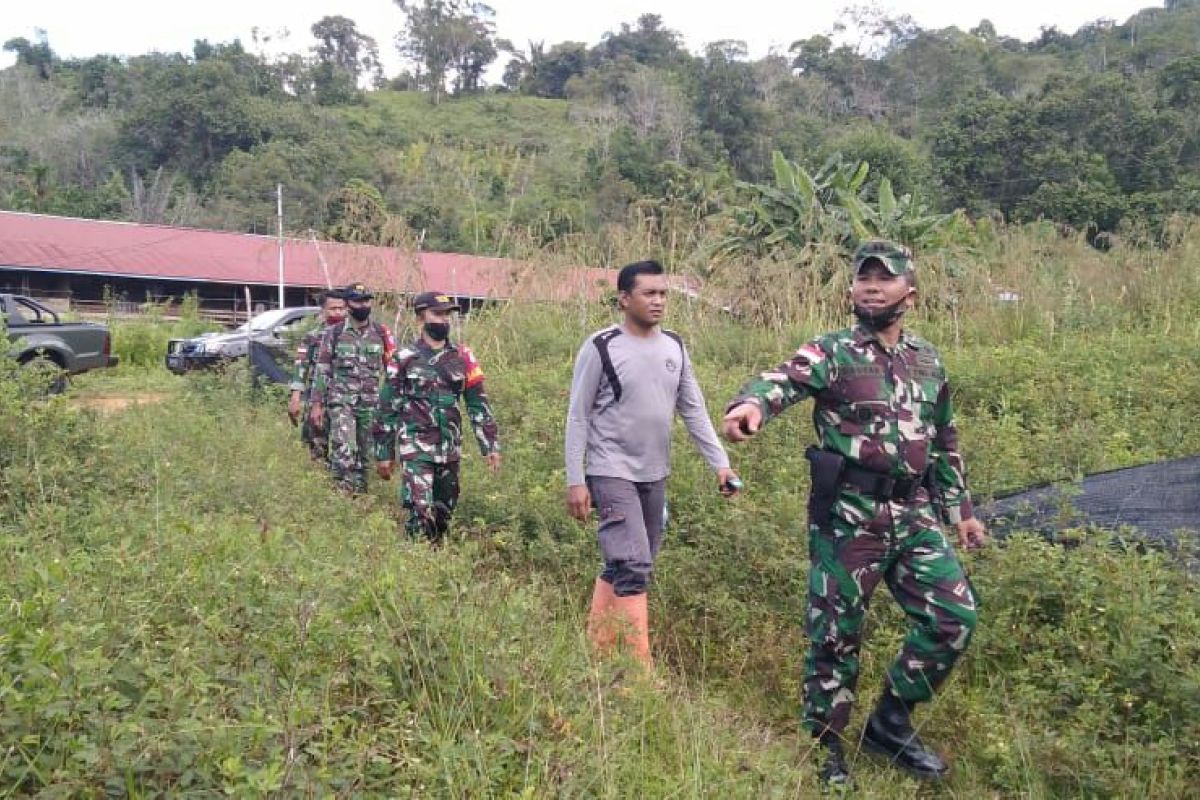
(356, 213)
(728, 102)
(343, 57)
(189, 116)
(648, 43)
(547, 73)
(36, 54)
(892, 157)
(448, 40)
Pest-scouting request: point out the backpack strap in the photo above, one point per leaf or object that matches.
(334, 335)
(678, 340)
(601, 341)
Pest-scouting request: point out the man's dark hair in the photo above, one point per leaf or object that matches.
(627, 277)
(331, 294)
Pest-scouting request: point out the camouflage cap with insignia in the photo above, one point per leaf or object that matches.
(896, 258)
(435, 301)
(357, 292)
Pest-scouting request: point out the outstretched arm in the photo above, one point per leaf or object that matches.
(770, 393)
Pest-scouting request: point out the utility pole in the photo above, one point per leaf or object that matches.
(279, 217)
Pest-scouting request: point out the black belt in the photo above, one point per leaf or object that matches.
(881, 486)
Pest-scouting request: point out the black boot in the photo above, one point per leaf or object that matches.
(890, 733)
(834, 775)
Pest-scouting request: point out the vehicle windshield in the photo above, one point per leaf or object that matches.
(264, 321)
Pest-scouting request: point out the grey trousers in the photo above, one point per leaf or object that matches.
(630, 531)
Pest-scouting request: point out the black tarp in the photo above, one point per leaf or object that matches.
(269, 364)
(1157, 501)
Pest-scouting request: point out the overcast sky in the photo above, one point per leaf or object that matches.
(131, 27)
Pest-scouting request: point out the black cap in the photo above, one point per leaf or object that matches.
(357, 292)
(433, 301)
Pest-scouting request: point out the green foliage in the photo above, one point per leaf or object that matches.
(802, 211)
(891, 157)
(1097, 130)
(448, 41)
(141, 342)
(190, 116)
(344, 56)
(190, 611)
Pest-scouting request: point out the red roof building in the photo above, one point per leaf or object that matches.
(44, 254)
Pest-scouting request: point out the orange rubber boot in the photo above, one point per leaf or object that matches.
(599, 621)
(633, 615)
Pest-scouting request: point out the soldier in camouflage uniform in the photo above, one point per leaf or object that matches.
(350, 363)
(887, 463)
(418, 420)
(333, 311)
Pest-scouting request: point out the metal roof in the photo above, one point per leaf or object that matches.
(125, 249)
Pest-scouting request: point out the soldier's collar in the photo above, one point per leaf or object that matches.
(862, 335)
(421, 344)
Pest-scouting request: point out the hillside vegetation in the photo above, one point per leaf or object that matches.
(1095, 129)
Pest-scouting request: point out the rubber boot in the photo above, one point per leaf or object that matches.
(834, 775)
(632, 616)
(599, 621)
(890, 733)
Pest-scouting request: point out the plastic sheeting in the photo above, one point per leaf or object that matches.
(269, 364)
(1157, 500)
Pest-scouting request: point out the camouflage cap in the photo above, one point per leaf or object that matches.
(896, 258)
(435, 301)
(357, 292)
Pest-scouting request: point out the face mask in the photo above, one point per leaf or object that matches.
(360, 313)
(334, 319)
(438, 331)
(878, 319)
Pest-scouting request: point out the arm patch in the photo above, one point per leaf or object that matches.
(474, 372)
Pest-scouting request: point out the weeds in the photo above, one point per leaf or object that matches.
(191, 609)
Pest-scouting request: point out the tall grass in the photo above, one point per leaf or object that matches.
(191, 609)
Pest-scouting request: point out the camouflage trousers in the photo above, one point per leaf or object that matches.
(429, 492)
(317, 441)
(903, 545)
(350, 445)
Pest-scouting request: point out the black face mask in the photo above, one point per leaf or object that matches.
(878, 319)
(438, 331)
(360, 313)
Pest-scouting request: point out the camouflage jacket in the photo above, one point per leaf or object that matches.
(418, 416)
(889, 412)
(350, 362)
(303, 370)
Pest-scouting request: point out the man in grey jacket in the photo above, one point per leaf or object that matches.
(629, 381)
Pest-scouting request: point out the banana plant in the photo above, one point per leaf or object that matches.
(830, 206)
(905, 219)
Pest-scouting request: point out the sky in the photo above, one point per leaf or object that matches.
(132, 27)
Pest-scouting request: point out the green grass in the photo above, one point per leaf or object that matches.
(190, 609)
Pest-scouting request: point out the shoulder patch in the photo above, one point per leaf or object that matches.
(811, 352)
(474, 372)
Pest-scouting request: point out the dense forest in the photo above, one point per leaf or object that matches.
(878, 127)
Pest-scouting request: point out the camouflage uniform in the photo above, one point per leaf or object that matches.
(349, 364)
(889, 412)
(303, 375)
(419, 423)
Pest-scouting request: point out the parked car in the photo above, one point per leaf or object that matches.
(275, 329)
(39, 339)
